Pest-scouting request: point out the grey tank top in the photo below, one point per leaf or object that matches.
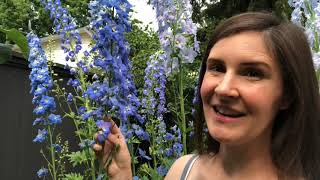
(188, 167)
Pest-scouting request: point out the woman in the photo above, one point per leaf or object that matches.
(259, 98)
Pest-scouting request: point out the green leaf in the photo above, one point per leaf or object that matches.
(155, 175)
(144, 178)
(77, 158)
(5, 53)
(81, 132)
(19, 39)
(72, 176)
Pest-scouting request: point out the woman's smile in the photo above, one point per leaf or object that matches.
(227, 114)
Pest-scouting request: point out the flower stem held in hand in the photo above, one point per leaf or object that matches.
(112, 154)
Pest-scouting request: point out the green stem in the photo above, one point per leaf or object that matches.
(132, 159)
(93, 173)
(154, 157)
(183, 116)
(54, 173)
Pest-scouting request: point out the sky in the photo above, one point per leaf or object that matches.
(144, 12)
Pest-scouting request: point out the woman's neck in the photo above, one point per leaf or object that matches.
(249, 160)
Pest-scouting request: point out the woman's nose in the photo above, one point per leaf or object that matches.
(227, 87)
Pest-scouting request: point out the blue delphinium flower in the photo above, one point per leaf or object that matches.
(177, 148)
(100, 176)
(143, 135)
(155, 86)
(42, 135)
(54, 119)
(310, 10)
(69, 98)
(142, 154)
(316, 59)
(41, 85)
(39, 121)
(57, 148)
(176, 29)
(42, 172)
(154, 109)
(168, 152)
(105, 130)
(41, 82)
(65, 26)
(169, 137)
(114, 89)
(127, 132)
(162, 170)
(86, 143)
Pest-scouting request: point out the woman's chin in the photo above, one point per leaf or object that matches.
(224, 136)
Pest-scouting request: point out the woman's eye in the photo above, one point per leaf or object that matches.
(217, 68)
(253, 74)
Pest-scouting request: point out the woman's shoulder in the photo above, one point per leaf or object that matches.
(176, 169)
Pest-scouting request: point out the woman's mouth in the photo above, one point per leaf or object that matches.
(227, 112)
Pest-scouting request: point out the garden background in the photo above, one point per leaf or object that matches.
(20, 157)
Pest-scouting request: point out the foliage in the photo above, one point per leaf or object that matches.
(19, 39)
(79, 10)
(144, 42)
(17, 14)
(14, 14)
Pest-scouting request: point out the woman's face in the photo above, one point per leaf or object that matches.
(241, 89)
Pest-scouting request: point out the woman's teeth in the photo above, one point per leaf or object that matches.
(227, 112)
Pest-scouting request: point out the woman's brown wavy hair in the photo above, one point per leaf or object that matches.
(295, 135)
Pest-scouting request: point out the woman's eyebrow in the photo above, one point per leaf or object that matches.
(248, 63)
(256, 63)
(211, 59)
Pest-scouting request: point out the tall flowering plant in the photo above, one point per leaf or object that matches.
(101, 87)
(165, 142)
(45, 106)
(101, 81)
(306, 13)
(177, 34)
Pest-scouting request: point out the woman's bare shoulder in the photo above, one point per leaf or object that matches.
(176, 169)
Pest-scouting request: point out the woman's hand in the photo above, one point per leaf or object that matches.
(117, 166)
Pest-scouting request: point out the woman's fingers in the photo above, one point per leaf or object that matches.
(108, 146)
(114, 138)
(112, 169)
(113, 151)
(115, 129)
(97, 147)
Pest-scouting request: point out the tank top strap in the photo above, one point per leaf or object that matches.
(188, 167)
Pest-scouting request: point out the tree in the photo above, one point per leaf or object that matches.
(18, 13)
(144, 42)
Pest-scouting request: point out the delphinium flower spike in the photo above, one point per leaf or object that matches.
(177, 32)
(162, 143)
(307, 14)
(41, 85)
(65, 26)
(177, 35)
(115, 90)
